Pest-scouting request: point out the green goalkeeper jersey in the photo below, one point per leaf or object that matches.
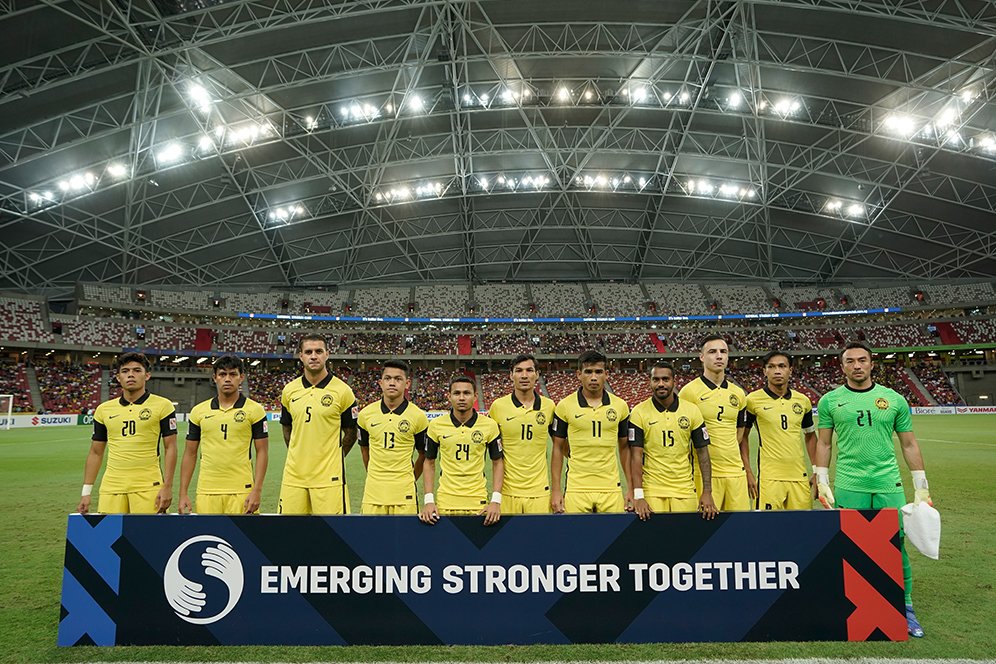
(864, 421)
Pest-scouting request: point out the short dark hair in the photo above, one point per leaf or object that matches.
(856, 344)
(662, 364)
(776, 353)
(229, 362)
(592, 357)
(525, 357)
(126, 358)
(312, 336)
(396, 364)
(462, 379)
(711, 337)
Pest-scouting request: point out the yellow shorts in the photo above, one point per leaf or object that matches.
(318, 500)
(407, 507)
(136, 502)
(443, 512)
(590, 502)
(729, 493)
(220, 503)
(525, 504)
(784, 495)
(662, 505)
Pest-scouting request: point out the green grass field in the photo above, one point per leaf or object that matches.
(41, 471)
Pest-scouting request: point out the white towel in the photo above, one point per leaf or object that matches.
(923, 528)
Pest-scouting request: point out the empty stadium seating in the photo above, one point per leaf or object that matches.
(444, 301)
(942, 293)
(677, 299)
(868, 298)
(21, 320)
(251, 302)
(735, 298)
(501, 300)
(559, 300)
(618, 299)
(381, 301)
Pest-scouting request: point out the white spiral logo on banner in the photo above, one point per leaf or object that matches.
(187, 597)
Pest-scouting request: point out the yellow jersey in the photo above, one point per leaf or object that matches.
(723, 408)
(781, 423)
(593, 438)
(226, 442)
(461, 450)
(524, 439)
(317, 415)
(667, 436)
(391, 436)
(132, 432)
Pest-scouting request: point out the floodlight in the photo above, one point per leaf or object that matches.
(172, 152)
(117, 170)
(734, 100)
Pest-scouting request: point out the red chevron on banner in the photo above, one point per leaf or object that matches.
(875, 539)
(872, 611)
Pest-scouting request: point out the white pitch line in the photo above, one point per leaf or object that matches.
(813, 660)
(953, 442)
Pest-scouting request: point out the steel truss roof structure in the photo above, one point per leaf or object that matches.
(299, 142)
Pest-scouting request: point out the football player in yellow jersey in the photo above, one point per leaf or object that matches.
(525, 419)
(225, 430)
(783, 417)
(723, 406)
(318, 415)
(390, 430)
(588, 427)
(131, 428)
(460, 441)
(663, 431)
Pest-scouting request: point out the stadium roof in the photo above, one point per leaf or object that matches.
(300, 142)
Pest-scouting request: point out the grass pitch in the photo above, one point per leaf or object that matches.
(40, 477)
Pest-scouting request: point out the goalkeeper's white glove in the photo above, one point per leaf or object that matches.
(921, 494)
(823, 491)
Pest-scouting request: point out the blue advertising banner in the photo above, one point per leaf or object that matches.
(821, 575)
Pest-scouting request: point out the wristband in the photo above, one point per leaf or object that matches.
(429, 498)
(638, 494)
(496, 497)
(87, 490)
(822, 474)
(919, 479)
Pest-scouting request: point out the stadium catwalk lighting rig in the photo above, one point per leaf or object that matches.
(288, 213)
(723, 190)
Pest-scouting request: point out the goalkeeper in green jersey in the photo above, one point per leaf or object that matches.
(864, 416)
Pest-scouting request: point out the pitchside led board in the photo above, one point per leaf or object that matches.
(286, 580)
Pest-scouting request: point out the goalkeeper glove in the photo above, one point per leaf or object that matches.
(823, 486)
(921, 494)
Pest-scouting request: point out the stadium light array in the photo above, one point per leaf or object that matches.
(901, 124)
(406, 192)
(852, 210)
(117, 170)
(611, 181)
(735, 99)
(287, 213)
(787, 106)
(248, 133)
(723, 190)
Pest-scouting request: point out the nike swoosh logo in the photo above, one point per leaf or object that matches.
(509, 419)
(446, 435)
(208, 417)
(768, 407)
(296, 398)
(577, 416)
(374, 424)
(111, 417)
(841, 405)
(653, 423)
(704, 398)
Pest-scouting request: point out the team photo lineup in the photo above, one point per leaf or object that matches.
(676, 451)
